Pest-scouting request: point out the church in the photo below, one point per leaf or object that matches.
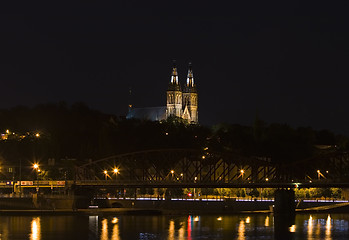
(182, 102)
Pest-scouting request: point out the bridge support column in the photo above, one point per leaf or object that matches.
(284, 202)
(284, 213)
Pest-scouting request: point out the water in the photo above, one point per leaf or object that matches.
(242, 227)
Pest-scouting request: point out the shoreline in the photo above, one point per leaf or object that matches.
(160, 207)
(140, 212)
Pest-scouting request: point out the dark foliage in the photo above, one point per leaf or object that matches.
(80, 133)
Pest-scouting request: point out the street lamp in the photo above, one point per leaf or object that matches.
(106, 174)
(36, 168)
(242, 171)
(116, 171)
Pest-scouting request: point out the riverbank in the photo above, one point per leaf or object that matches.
(65, 206)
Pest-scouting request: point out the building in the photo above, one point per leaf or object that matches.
(181, 102)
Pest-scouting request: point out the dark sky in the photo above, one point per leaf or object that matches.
(288, 60)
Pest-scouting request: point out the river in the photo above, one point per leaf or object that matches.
(242, 227)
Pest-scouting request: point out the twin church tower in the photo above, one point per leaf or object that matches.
(182, 102)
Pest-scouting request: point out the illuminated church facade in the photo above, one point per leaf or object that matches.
(181, 102)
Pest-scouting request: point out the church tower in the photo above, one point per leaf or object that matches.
(174, 95)
(190, 98)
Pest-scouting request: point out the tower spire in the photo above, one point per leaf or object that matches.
(174, 75)
(130, 99)
(190, 77)
(174, 95)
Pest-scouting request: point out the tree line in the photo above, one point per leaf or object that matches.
(81, 133)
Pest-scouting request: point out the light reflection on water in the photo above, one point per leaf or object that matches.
(266, 221)
(328, 227)
(240, 227)
(241, 230)
(35, 229)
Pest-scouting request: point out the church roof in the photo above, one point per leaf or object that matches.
(149, 113)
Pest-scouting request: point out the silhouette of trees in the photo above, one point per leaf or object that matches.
(80, 133)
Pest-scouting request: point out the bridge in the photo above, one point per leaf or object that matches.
(173, 168)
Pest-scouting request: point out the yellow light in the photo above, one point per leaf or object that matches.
(248, 220)
(7, 131)
(105, 172)
(292, 228)
(219, 219)
(266, 221)
(181, 174)
(203, 157)
(115, 220)
(116, 170)
(35, 229)
(206, 148)
(196, 219)
(172, 171)
(267, 179)
(36, 166)
(242, 171)
(37, 135)
(318, 171)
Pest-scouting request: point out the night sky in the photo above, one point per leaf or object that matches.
(286, 61)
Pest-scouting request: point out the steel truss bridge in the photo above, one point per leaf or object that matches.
(175, 168)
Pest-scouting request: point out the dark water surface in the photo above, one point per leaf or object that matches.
(257, 226)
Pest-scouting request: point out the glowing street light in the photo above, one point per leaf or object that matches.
(242, 171)
(116, 172)
(106, 174)
(36, 168)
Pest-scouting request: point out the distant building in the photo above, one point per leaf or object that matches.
(180, 103)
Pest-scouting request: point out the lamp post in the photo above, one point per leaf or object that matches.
(36, 169)
(116, 171)
(242, 171)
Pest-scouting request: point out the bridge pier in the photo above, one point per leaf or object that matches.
(284, 213)
(284, 202)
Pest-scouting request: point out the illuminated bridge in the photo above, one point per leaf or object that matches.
(181, 168)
